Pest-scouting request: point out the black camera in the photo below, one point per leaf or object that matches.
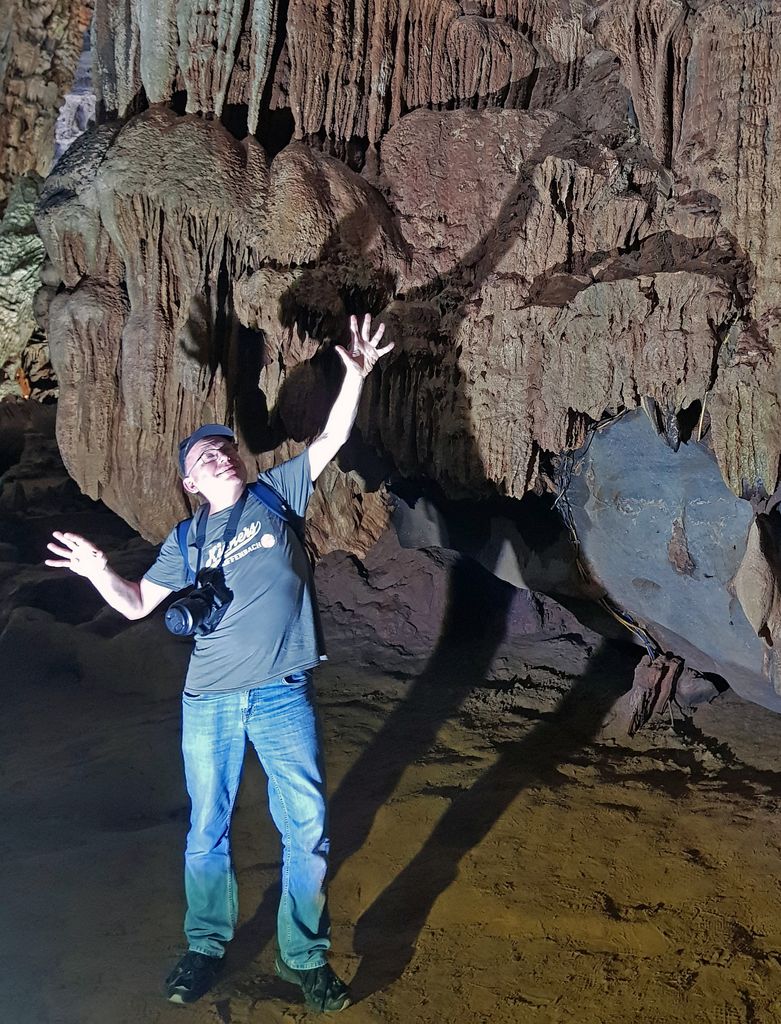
(200, 612)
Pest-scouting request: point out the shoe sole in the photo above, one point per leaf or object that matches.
(285, 973)
(177, 1000)
(184, 998)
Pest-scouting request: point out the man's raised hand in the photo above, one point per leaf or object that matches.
(364, 350)
(77, 554)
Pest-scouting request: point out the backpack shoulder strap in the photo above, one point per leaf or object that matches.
(276, 504)
(267, 496)
(182, 530)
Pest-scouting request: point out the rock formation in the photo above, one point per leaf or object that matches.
(668, 541)
(79, 105)
(21, 255)
(39, 51)
(561, 210)
(40, 43)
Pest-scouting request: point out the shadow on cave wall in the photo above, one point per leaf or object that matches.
(474, 627)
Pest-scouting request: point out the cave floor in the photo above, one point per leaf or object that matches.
(499, 854)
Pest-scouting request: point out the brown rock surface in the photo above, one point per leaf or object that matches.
(297, 238)
(40, 43)
(554, 216)
(153, 224)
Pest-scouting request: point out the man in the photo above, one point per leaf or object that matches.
(249, 676)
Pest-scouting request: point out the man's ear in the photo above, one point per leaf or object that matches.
(189, 485)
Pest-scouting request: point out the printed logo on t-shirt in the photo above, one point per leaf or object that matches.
(241, 546)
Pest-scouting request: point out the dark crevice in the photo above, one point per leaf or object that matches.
(276, 127)
(570, 220)
(276, 130)
(468, 521)
(669, 97)
(178, 102)
(352, 151)
(393, 48)
(234, 119)
(688, 420)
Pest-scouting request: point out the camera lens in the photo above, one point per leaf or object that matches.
(179, 619)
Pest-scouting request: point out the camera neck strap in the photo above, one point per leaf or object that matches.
(230, 530)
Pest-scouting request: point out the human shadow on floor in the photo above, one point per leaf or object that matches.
(474, 626)
(386, 934)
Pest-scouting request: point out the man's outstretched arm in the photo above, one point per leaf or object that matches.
(359, 360)
(132, 599)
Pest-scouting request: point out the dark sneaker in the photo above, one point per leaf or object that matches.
(192, 977)
(323, 991)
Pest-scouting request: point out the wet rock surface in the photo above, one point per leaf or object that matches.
(21, 256)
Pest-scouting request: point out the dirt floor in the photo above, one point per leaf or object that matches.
(494, 861)
(501, 852)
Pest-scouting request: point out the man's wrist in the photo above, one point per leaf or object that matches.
(101, 570)
(353, 380)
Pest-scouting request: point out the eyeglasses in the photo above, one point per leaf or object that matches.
(210, 455)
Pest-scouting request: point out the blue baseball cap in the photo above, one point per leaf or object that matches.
(207, 430)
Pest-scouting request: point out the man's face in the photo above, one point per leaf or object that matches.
(213, 464)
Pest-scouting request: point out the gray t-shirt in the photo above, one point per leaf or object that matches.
(271, 627)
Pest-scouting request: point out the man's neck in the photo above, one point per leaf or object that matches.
(226, 500)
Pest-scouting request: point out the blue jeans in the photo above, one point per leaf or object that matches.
(281, 722)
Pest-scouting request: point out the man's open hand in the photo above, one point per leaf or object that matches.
(364, 349)
(77, 554)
